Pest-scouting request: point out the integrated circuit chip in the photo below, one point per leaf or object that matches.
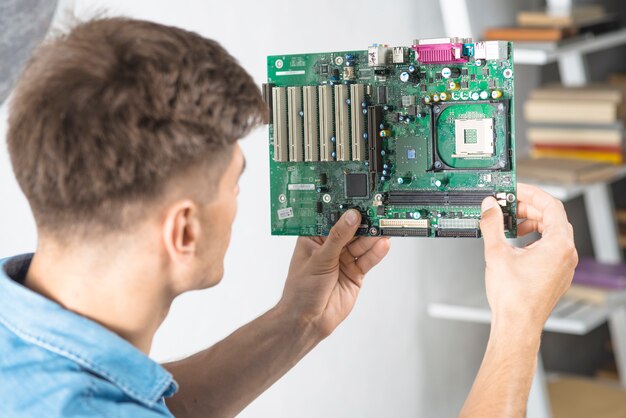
(356, 185)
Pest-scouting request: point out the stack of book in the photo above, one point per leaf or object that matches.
(598, 283)
(543, 26)
(584, 123)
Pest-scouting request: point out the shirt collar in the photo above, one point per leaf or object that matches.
(47, 324)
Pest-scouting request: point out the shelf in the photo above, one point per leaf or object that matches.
(545, 53)
(565, 192)
(569, 316)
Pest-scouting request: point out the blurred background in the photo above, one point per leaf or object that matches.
(414, 342)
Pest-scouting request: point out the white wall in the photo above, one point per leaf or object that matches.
(388, 359)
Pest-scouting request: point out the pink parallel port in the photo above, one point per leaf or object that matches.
(440, 53)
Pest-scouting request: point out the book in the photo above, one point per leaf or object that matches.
(612, 137)
(572, 111)
(565, 170)
(579, 16)
(529, 34)
(603, 157)
(618, 79)
(583, 94)
(604, 275)
(617, 151)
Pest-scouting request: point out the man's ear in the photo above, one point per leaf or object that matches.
(181, 230)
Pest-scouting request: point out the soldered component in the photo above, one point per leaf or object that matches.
(399, 54)
(473, 138)
(404, 223)
(348, 73)
(438, 198)
(408, 101)
(384, 133)
(326, 122)
(267, 98)
(496, 94)
(491, 50)
(342, 122)
(457, 233)
(405, 227)
(311, 124)
(440, 50)
(279, 105)
(357, 122)
(453, 72)
(381, 94)
(378, 55)
(374, 119)
(356, 185)
(458, 223)
(295, 115)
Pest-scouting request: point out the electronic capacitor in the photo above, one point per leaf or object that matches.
(448, 72)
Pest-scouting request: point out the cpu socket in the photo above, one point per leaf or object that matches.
(464, 136)
(474, 138)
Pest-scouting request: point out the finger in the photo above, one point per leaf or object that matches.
(528, 227)
(374, 256)
(340, 235)
(362, 245)
(492, 224)
(527, 211)
(552, 210)
(350, 269)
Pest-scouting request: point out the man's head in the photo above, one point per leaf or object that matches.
(126, 128)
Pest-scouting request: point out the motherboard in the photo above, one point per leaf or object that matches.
(413, 137)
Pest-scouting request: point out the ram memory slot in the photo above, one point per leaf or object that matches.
(279, 112)
(342, 122)
(410, 198)
(326, 122)
(357, 96)
(311, 138)
(374, 119)
(294, 113)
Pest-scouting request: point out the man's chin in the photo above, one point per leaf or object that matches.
(211, 281)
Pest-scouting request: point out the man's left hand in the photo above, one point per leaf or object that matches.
(326, 273)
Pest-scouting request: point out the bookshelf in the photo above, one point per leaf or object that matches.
(568, 317)
(547, 53)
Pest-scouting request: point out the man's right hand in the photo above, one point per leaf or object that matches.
(523, 286)
(526, 283)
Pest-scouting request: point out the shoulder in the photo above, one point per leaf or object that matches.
(37, 382)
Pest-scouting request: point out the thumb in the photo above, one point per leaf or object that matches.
(492, 224)
(340, 234)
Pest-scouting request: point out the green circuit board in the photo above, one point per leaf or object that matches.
(414, 137)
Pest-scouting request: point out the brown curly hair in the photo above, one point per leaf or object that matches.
(106, 114)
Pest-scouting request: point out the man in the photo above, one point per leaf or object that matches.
(123, 136)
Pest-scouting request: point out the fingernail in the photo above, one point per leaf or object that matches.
(487, 204)
(351, 217)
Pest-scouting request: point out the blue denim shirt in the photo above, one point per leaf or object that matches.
(55, 363)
